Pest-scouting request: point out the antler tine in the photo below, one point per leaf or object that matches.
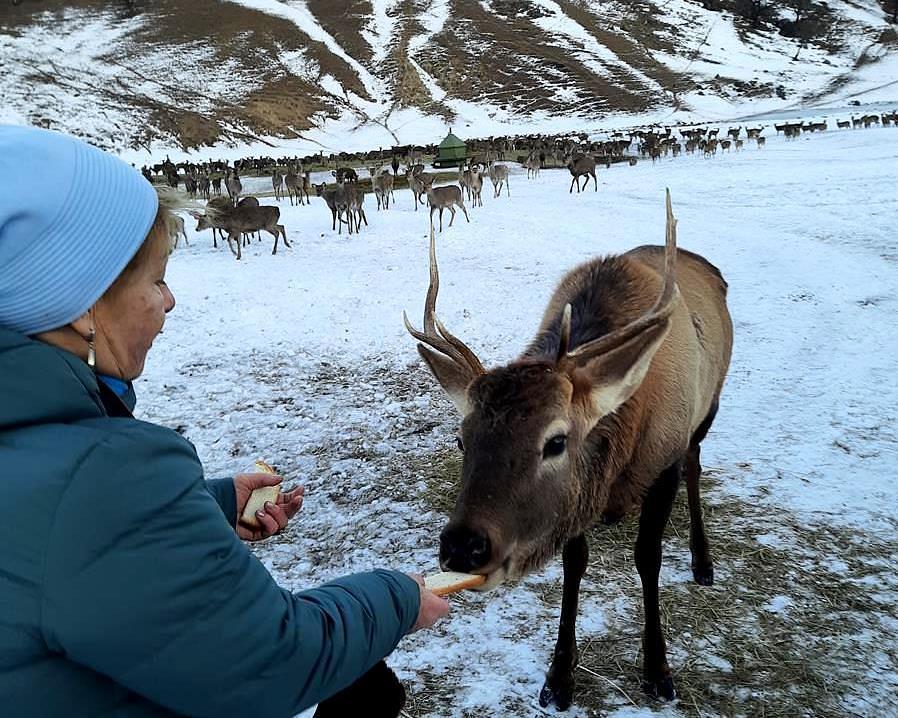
(660, 311)
(435, 334)
(469, 356)
(430, 304)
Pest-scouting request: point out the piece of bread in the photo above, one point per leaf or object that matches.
(442, 584)
(258, 498)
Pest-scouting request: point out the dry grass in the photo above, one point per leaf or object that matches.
(800, 621)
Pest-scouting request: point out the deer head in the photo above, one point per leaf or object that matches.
(524, 430)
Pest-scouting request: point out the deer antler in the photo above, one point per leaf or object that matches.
(658, 313)
(435, 335)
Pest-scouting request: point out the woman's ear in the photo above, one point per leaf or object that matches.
(84, 324)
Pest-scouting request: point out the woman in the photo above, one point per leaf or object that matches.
(124, 587)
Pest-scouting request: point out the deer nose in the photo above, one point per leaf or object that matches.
(462, 549)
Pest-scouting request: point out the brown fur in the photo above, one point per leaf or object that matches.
(520, 504)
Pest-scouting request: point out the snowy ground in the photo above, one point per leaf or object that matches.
(302, 359)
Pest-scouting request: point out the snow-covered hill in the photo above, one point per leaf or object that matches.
(351, 75)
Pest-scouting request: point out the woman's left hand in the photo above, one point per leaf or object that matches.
(273, 517)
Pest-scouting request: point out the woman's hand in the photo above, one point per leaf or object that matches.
(273, 517)
(432, 608)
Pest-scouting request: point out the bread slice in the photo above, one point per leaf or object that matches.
(442, 584)
(259, 497)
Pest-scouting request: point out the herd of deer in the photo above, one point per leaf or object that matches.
(238, 218)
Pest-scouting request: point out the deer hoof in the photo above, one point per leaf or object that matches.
(557, 691)
(703, 575)
(662, 687)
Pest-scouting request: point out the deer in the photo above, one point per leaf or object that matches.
(755, 132)
(345, 174)
(476, 186)
(440, 198)
(464, 181)
(177, 230)
(498, 176)
(241, 221)
(418, 182)
(336, 201)
(217, 210)
(277, 183)
(601, 415)
(216, 186)
(533, 166)
(355, 199)
(733, 132)
(761, 141)
(582, 165)
(293, 183)
(383, 188)
(234, 186)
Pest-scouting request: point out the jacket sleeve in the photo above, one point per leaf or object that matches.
(147, 585)
(225, 493)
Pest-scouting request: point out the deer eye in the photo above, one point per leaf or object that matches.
(555, 446)
(460, 444)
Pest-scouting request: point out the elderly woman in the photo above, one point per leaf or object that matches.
(124, 586)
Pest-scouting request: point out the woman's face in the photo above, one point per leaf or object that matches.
(131, 314)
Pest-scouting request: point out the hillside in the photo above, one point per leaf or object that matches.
(160, 74)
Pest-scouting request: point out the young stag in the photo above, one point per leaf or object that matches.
(600, 416)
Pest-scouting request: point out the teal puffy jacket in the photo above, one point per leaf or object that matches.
(124, 590)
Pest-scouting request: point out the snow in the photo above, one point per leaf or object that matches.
(81, 47)
(302, 359)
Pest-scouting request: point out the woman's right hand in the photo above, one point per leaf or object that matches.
(432, 608)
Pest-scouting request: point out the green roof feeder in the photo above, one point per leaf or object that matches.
(451, 153)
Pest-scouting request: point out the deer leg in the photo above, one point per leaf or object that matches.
(362, 212)
(463, 210)
(560, 682)
(702, 565)
(571, 190)
(595, 181)
(452, 217)
(276, 234)
(656, 506)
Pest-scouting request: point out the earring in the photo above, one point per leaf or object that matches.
(91, 349)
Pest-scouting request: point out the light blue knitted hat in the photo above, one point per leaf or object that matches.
(71, 218)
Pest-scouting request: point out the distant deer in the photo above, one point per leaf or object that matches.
(383, 189)
(418, 182)
(761, 141)
(216, 186)
(582, 166)
(464, 181)
(337, 203)
(476, 186)
(277, 183)
(234, 186)
(355, 211)
(498, 176)
(293, 183)
(754, 132)
(440, 198)
(243, 220)
(345, 174)
(733, 132)
(843, 124)
(600, 416)
(177, 230)
(532, 165)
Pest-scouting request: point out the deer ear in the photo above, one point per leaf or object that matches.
(615, 376)
(452, 377)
